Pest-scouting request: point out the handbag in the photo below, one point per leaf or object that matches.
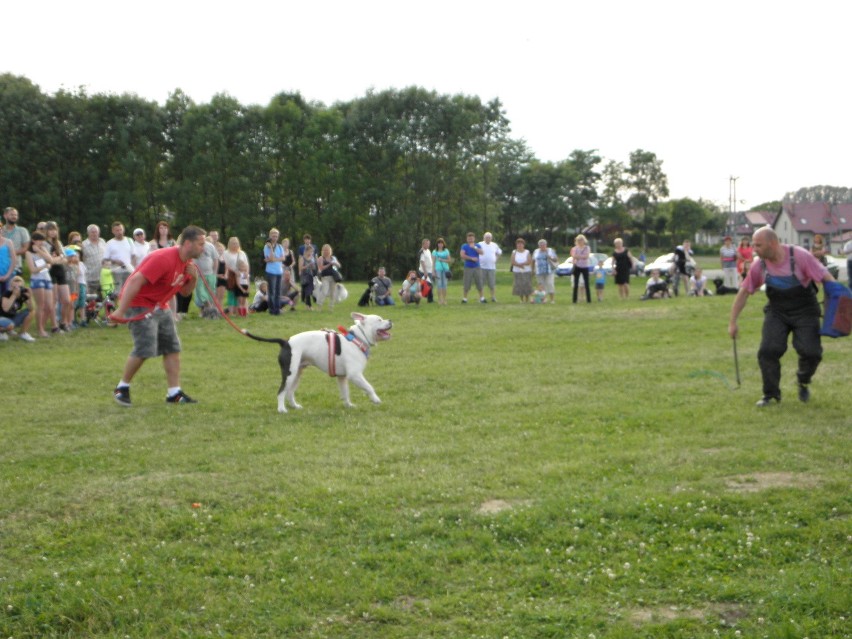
(335, 275)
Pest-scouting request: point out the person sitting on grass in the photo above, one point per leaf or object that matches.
(289, 292)
(382, 288)
(12, 311)
(260, 303)
(656, 287)
(698, 284)
(410, 292)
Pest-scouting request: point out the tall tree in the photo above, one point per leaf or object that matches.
(25, 133)
(648, 185)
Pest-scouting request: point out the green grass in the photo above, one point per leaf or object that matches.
(533, 471)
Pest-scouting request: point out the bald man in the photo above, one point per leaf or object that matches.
(790, 274)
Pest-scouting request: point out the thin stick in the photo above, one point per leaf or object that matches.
(736, 362)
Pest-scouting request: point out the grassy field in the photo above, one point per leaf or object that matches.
(533, 471)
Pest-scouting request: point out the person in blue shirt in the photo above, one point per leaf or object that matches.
(600, 280)
(273, 256)
(470, 252)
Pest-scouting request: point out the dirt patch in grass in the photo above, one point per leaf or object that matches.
(728, 614)
(494, 506)
(757, 482)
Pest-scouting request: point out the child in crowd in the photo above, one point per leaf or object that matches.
(82, 289)
(260, 304)
(539, 295)
(600, 280)
(698, 284)
(656, 287)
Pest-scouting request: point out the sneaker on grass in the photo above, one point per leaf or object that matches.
(180, 398)
(122, 396)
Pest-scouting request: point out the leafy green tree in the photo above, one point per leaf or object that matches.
(647, 183)
(687, 217)
(580, 188)
(25, 135)
(214, 164)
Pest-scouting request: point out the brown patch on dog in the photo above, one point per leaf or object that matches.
(757, 482)
(728, 614)
(494, 506)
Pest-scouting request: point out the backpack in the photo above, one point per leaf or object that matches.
(837, 321)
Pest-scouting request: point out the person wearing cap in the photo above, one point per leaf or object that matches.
(728, 255)
(141, 248)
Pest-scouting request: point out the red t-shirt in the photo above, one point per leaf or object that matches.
(166, 274)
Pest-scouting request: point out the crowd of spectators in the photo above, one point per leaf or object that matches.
(65, 279)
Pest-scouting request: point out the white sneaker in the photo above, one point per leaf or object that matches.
(26, 337)
(4, 337)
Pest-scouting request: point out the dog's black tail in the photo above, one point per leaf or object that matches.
(284, 356)
(273, 340)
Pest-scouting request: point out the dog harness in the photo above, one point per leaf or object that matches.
(350, 337)
(333, 341)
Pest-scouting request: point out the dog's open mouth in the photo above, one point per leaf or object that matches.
(383, 334)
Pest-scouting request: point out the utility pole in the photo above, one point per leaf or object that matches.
(732, 205)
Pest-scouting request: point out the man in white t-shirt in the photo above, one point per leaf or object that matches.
(488, 263)
(426, 265)
(118, 255)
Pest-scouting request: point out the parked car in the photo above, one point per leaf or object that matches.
(833, 265)
(665, 264)
(637, 269)
(567, 267)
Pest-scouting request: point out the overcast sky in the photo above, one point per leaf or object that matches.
(751, 89)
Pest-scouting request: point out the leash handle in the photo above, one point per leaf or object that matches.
(736, 363)
(128, 320)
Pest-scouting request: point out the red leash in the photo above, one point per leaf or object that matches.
(148, 314)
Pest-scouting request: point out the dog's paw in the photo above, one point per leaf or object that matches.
(282, 409)
(297, 406)
(375, 399)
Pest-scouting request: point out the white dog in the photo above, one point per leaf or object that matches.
(341, 355)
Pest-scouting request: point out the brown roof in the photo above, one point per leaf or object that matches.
(760, 218)
(820, 217)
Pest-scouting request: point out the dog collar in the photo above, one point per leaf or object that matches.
(350, 337)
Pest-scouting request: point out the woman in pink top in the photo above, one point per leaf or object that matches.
(581, 254)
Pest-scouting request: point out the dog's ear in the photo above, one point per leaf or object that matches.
(358, 317)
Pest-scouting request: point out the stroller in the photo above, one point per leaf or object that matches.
(98, 307)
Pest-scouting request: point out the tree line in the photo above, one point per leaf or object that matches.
(371, 176)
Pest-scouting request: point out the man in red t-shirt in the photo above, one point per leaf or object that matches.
(144, 301)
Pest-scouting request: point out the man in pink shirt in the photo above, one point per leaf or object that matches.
(790, 274)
